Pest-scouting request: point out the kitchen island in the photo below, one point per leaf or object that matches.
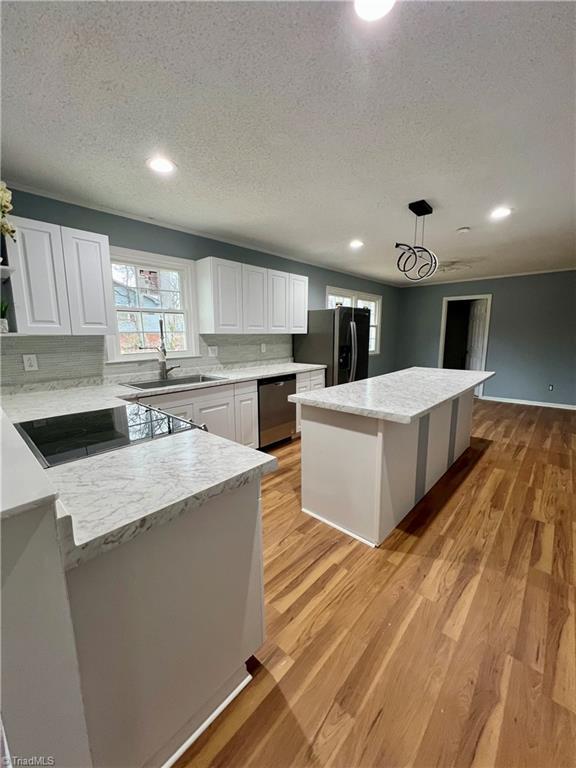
(372, 448)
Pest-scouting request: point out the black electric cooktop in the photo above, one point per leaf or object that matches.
(59, 439)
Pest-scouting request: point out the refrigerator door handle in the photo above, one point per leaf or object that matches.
(354, 339)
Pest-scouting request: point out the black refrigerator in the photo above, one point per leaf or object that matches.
(337, 338)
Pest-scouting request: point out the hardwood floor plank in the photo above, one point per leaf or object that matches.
(453, 645)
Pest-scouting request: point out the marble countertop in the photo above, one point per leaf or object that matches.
(25, 406)
(109, 499)
(401, 396)
(25, 484)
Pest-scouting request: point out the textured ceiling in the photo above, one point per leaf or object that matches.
(296, 127)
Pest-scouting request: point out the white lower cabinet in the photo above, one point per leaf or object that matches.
(216, 411)
(229, 410)
(246, 407)
(305, 382)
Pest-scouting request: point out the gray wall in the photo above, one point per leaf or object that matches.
(532, 334)
(128, 233)
(532, 341)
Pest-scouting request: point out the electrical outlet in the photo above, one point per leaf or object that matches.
(30, 362)
(263, 348)
(551, 387)
(212, 351)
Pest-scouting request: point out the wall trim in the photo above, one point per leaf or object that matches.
(562, 406)
(423, 284)
(209, 720)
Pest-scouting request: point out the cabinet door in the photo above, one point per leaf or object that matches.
(302, 385)
(317, 380)
(217, 412)
(278, 302)
(185, 412)
(255, 299)
(89, 280)
(39, 281)
(298, 304)
(246, 407)
(227, 293)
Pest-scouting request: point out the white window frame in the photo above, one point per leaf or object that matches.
(187, 270)
(356, 296)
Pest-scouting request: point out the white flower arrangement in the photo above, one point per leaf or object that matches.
(6, 228)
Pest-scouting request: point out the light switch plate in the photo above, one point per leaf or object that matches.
(212, 351)
(30, 362)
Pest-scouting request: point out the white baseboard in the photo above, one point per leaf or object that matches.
(527, 402)
(339, 528)
(209, 720)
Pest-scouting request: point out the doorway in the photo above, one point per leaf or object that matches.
(464, 333)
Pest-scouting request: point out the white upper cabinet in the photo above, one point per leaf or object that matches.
(219, 291)
(298, 304)
(62, 283)
(278, 301)
(240, 298)
(89, 280)
(39, 280)
(255, 299)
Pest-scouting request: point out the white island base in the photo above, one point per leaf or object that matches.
(363, 475)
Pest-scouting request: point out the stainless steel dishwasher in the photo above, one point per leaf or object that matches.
(277, 417)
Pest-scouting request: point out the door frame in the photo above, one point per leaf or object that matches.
(473, 297)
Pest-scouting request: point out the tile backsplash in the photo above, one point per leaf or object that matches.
(71, 359)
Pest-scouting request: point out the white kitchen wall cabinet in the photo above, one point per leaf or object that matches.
(89, 280)
(62, 281)
(219, 292)
(241, 298)
(246, 412)
(278, 301)
(254, 299)
(298, 304)
(39, 280)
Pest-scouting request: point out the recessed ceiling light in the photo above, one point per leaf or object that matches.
(372, 10)
(501, 212)
(463, 230)
(356, 244)
(160, 164)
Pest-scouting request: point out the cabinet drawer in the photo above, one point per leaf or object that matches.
(317, 379)
(302, 382)
(245, 387)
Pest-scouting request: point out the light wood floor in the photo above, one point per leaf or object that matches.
(453, 644)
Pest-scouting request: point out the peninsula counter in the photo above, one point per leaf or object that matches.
(371, 449)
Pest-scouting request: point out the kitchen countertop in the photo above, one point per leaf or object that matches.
(109, 499)
(25, 406)
(401, 396)
(25, 484)
(106, 500)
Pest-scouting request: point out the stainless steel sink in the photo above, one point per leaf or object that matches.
(197, 378)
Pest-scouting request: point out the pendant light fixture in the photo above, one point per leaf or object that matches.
(417, 262)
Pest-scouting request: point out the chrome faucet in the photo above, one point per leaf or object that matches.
(164, 369)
